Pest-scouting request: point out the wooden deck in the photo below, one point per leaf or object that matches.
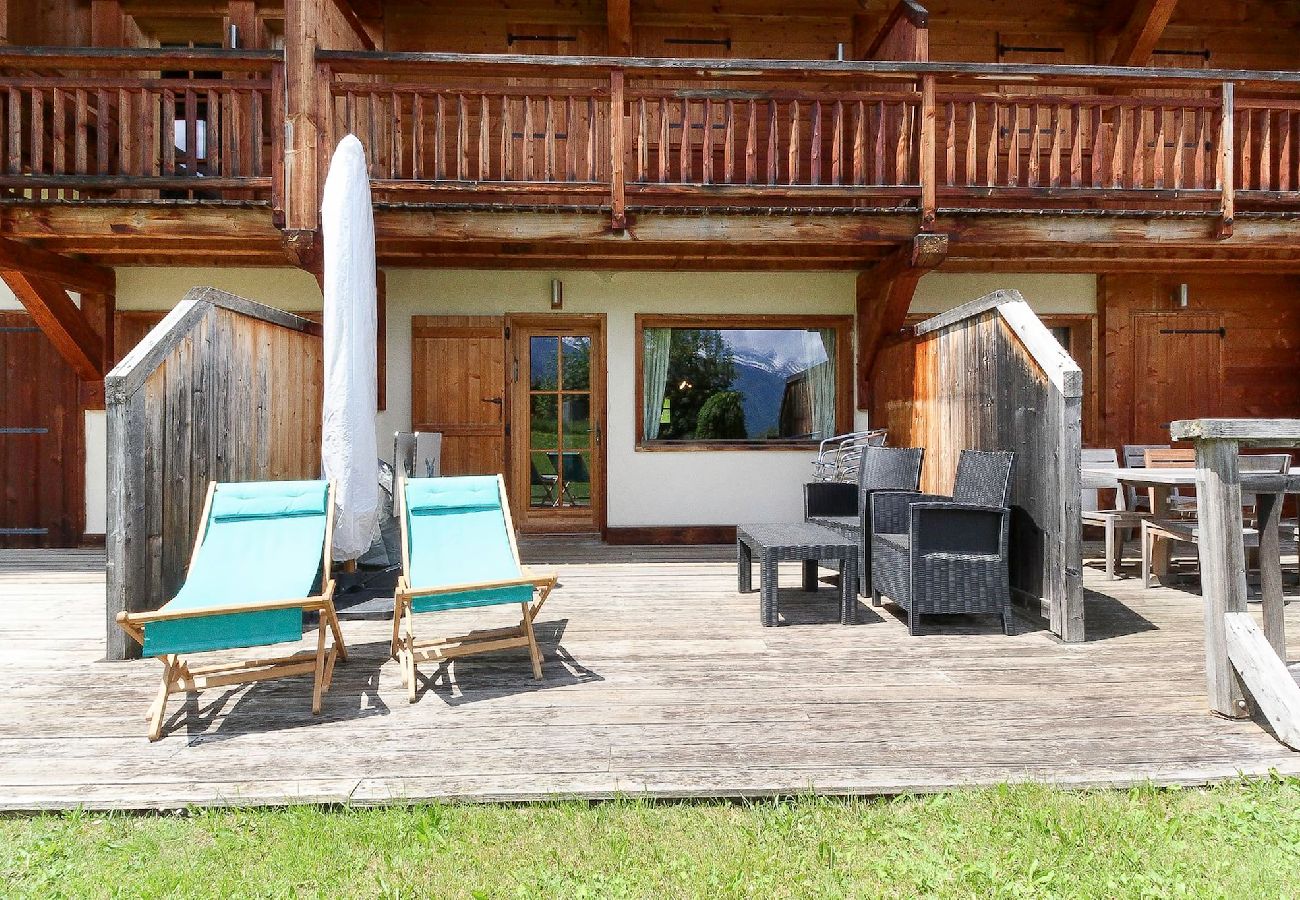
(659, 679)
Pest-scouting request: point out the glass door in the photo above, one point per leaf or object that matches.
(556, 423)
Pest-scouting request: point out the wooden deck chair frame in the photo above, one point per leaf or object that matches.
(408, 651)
(179, 677)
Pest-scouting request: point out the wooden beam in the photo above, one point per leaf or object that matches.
(1142, 32)
(107, 24)
(618, 23)
(354, 22)
(884, 296)
(1265, 676)
(74, 274)
(68, 330)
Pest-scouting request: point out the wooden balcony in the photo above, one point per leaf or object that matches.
(515, 132)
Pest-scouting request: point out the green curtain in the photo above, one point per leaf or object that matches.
(821, 380)
(654, 379)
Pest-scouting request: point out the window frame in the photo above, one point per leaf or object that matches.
(844, 368)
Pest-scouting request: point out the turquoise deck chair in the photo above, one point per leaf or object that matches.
(459, 551)
(261, 549)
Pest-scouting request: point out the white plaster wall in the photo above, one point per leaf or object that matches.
(645, 488)
(156, 288)
(7, 298)
(941, 291)
(96, 469)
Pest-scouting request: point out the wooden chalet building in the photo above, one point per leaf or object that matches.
(638, 255)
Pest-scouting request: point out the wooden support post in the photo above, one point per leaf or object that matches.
(107, 23)
(928, 175)
(99, 310)
(248, 31)
(53, 310)
(1226, 138)
(617, 150)
(1223, 566)
(884, 296)
(301, 186)
(618, 22)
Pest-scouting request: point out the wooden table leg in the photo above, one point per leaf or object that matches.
(1223, 567)
(810, 574)
(1269, 507)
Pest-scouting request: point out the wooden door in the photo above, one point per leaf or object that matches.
(458, 389)
(1177, 371)
(557, 420)
(42, 457)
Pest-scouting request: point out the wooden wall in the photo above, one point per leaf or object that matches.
(223, 389)
(42, 439)
(1159, 361)
(989, 376)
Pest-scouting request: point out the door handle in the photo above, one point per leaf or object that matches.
(496, 400)
(598, 434)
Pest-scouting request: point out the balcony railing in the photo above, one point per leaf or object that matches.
(447, 128)
(140, 124)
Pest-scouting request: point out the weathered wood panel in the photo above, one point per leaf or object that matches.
(42, 454)
(985, 376)
(222, 389)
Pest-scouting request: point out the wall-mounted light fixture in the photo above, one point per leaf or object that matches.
(557, 294)
(1180, 296)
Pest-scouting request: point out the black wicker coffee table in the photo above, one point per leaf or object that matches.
(796, 541)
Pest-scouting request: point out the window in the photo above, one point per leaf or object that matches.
(733, 381)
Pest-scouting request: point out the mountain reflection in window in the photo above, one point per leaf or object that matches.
(738, 384)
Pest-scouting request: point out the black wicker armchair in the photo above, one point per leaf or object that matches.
(934, 555)
(845, 508)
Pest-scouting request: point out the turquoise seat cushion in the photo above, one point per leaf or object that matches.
(264, 541)
(457, 533)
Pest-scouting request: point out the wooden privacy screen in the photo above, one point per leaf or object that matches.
(988, 375)
(222, 389)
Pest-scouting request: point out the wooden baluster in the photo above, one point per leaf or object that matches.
(1265, 182)
(950, 143)
(548, 141)
(1117, 154)
(254, 132)
(837, 143)
(485, 139)
(815, 145)
(230, 152)
(663, 140)
(167, 133)
(972, 143)
(1179, 141)
(507, 137)
(374, 122)
(1158, 153)
(1138, 170)
(859, 143)
(15, 131)
(101, 132)
(528, 139)
(570, 145)
(1202, 139)
(440, 137)
(706, 144)
(927, 174)
(1098, 147)
(81, 125)
(991, 146)
(38, 133)
(878, 150)
(751, 145)
(1013, 147)
(58, 145)
(591, 140)
(1227, 196)
(462, 138)
(642, 137)
(1076, 145)
(213, 140)
(729, 142)
(772, 177)
(417, 136)
(1245, 150)
(1284, 152)
(1054, 150)
(902, 146)
(618, 151)
(684, 148)
(792, 145)
(1035, 145)
(397, 129)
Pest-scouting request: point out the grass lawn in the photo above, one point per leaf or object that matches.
(1235, 840)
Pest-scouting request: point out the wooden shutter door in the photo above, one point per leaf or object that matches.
(458, 389)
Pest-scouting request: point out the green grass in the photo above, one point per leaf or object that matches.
(1235, 840)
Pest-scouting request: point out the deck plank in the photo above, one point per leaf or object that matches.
(659, 680)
